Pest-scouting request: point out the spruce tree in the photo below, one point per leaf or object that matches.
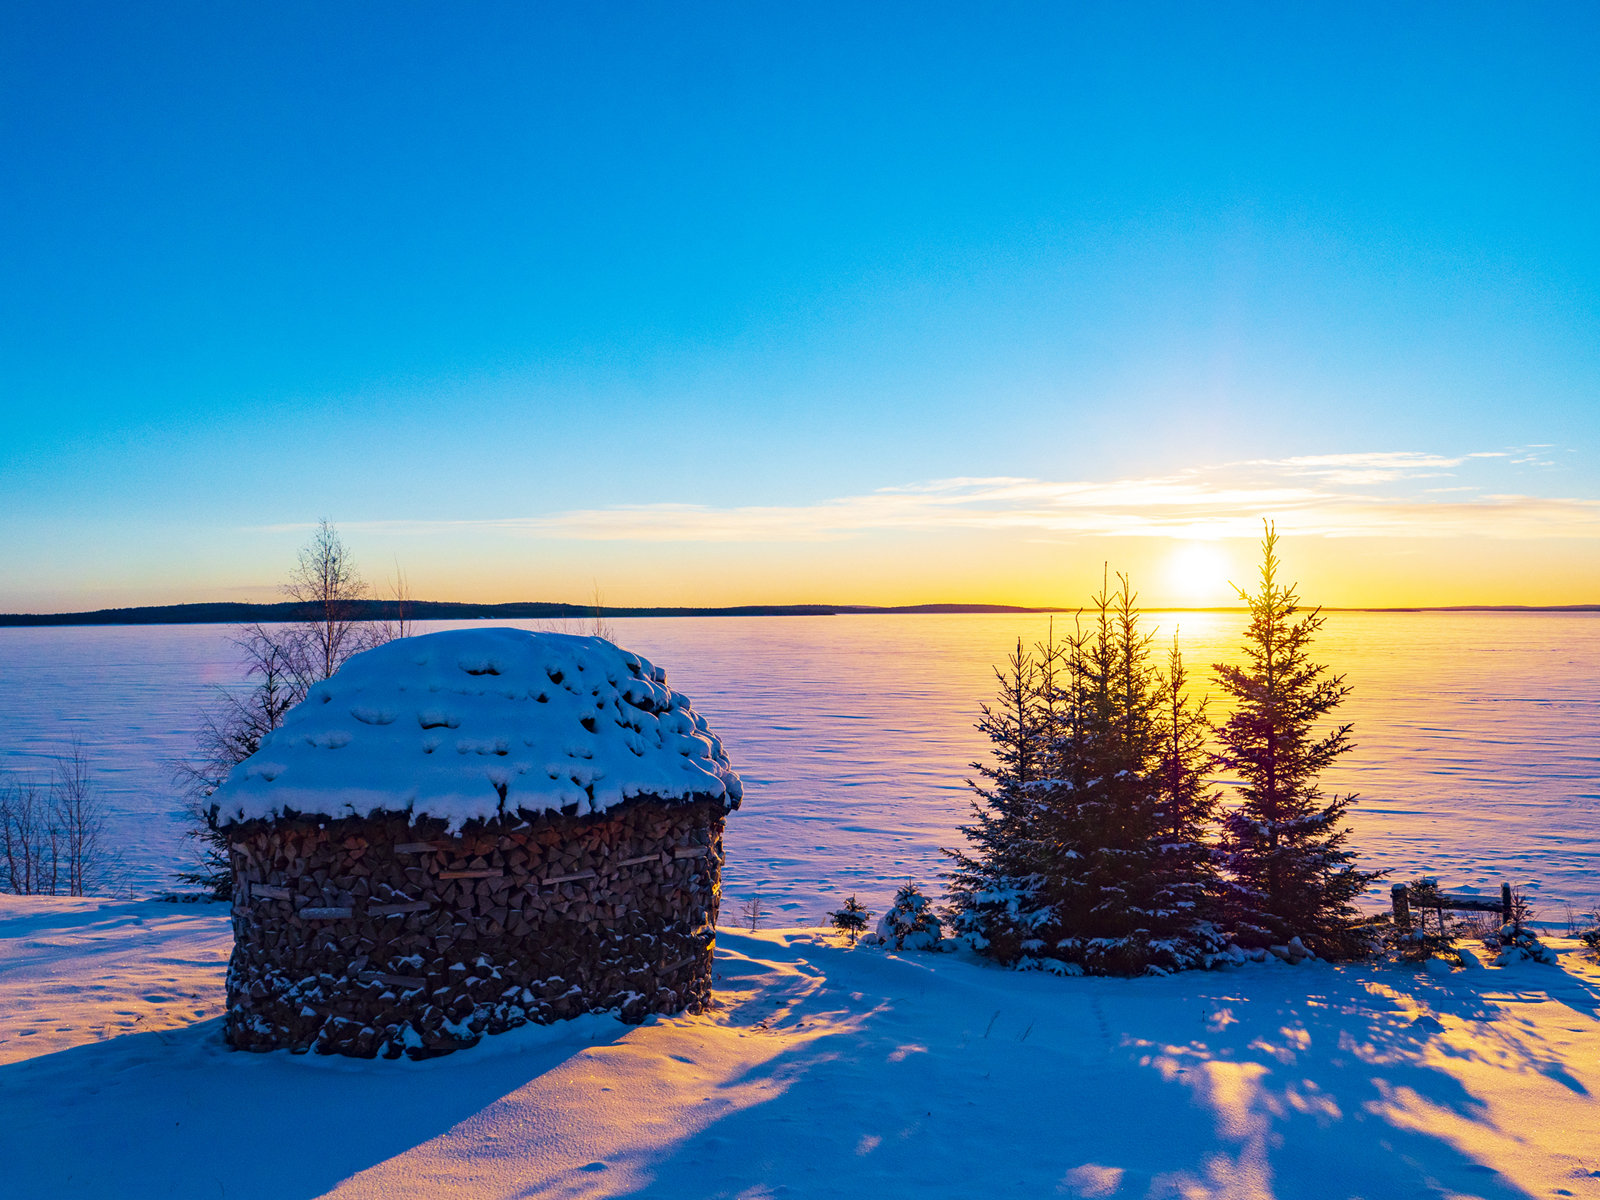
(851, 919)
(1284, 845)
(1186, 804)
(910, 922)
(996, 900)
(1069, 856)
(1124, 903)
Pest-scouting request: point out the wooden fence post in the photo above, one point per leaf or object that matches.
(1402, 906)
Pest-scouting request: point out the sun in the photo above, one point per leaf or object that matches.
(1197, 573)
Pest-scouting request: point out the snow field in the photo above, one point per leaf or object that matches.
(83, 970)
(1475, 758)
(824, 1072)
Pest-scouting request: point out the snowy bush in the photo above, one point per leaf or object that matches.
(1591, 939)
(1516, 944)
(1419, 943)
(910, 924)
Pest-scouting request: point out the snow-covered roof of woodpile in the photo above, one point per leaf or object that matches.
(469, 723)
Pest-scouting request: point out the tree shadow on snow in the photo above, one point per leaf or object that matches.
(1251, 1082)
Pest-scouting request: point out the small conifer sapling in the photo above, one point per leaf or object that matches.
(851, 919)
(910, 923)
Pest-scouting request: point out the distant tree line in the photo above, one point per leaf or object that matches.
(1097, 844)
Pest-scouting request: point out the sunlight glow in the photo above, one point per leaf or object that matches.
(1197, 573)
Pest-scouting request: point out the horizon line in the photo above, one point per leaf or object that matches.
(231, 612)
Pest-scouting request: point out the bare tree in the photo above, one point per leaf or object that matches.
(80, 816)
(325, 580)
(229, 733)
(25, 837)
(52, 837)
(404, 622)
(600, 627)
(282, 663)
(752, 913)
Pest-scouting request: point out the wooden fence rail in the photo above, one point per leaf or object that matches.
(1402, 903)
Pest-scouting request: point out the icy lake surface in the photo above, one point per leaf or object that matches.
(1478, 737)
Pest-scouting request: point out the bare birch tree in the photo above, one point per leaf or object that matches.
(24, 821)
(80, 815)
(403, 623)
(282, 663)
(52, 836)
(325, 580)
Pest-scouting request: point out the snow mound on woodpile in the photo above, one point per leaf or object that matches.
(468, 724)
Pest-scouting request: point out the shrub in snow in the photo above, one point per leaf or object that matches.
(910, 924)
(851, 919)
(1515, 944)
(751, 913)
(1087, 841)
(1591, 939)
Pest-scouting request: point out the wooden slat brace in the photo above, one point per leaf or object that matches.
(1470, 904)
(554, 879)
(395, 910)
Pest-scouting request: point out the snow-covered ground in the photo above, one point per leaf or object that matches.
(823, 1071)
(827, 1071)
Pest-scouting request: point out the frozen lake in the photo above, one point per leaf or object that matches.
(1478, 737)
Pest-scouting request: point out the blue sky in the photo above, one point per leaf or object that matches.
(711, 304)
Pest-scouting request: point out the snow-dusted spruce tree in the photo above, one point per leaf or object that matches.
(851, 919)
(996, 886)
(1078, 856)
(910, 923)
(1125, 903)
(1185, 863)
(1284, 846)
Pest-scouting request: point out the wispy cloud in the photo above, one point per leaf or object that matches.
(1382, 467)
(1319, 496)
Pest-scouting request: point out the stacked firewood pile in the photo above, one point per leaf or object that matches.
(370, 936)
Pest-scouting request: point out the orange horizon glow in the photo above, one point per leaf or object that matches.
(961, 566)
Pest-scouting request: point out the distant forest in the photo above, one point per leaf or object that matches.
(437, 610)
